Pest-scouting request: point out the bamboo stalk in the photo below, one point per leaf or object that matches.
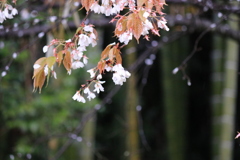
(132, 137)
(174, 100)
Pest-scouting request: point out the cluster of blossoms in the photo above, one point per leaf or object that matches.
(141, 18)
(7, 12)
(90, 95)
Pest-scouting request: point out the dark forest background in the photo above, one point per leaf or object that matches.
(155, 115)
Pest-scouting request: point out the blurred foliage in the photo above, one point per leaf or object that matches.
(39, 121)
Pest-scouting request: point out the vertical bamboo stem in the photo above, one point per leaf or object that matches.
(132, 140)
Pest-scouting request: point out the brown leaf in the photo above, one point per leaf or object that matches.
(101, 66)
(140, 14)
(67, 60)
(105, 52)
(87, 3)
(121, 26)
(59, 57)
(39, 80)
(96, 33)
(149, 5)
(134, 23)
(118, 58)
(111, 54)
(140, 3)
(42, 63)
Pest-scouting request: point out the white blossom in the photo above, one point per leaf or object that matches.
(84, 40)
(92, 73)
(77, 64)
(76, 54)
(120, 74)
(8, 12)
(2, 17)
(85, 59)
(86, 90)
(4, 73)
(146, 14)
(162, 24)
(99, 77)
(36, 66)
(175, 70)
(116, 9)
(105, 2)
(108, 11)
(54, 74)
(117, 79)
(45, 49)
(98, 87)
(78, 97)
(14, 11)
(81, 48)
(46, 70)
(96, 8)
(108, 68)
(125, 37)
(88, 28)
(69, 40)
(91, 95)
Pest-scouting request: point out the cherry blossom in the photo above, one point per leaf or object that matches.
(98, 87)
(90, 94)
(45, 49)
(92, 73)
(77, 64)
(238, 135)
(125, 37)
(139, 19)
(162, 25)
(77, 96)
(120, 74)
(7, 13)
